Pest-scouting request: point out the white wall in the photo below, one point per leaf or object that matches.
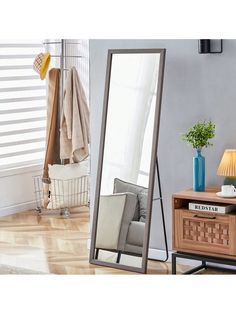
(17, 189)
(195, 87)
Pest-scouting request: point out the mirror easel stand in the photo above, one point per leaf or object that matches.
(162, 214)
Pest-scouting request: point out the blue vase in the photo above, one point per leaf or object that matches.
(199, 172)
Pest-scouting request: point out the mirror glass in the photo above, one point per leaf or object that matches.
(126, 159)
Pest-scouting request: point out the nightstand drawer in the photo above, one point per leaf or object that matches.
(206, 232)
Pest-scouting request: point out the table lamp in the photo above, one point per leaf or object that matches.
(227, 167)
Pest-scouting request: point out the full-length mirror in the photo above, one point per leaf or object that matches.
(124, 192)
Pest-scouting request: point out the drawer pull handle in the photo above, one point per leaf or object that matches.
(202, 216)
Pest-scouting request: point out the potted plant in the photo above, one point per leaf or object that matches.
(198, 136)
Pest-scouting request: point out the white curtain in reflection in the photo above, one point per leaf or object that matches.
(132, 88)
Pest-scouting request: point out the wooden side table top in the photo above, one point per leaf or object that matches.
(209, 195)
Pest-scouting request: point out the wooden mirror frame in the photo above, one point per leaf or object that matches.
(92, 260)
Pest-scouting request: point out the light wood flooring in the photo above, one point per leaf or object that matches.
(52, 244)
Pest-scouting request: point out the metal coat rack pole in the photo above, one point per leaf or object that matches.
(62, 67)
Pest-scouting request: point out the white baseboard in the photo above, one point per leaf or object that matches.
(5, 211)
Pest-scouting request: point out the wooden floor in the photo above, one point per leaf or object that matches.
(52, 244)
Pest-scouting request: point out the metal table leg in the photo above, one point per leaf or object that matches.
(173, 264)
(204, 262)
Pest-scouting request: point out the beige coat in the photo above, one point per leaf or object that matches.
(52, 144)
(74, 132)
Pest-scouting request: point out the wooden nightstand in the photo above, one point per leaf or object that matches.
(204, 236)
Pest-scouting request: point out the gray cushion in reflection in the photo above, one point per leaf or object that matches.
(129, 248)
(121, 186)
(142, 196)
(128, 214)
(136, 233)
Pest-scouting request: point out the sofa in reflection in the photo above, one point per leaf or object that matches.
(121, 220)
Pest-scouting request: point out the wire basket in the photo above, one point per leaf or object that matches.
(61, 194)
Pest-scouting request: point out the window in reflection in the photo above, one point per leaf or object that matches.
(130, 118)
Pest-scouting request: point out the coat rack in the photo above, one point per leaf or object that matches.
(39, 189)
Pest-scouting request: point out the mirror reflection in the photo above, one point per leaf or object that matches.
(127, 158)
